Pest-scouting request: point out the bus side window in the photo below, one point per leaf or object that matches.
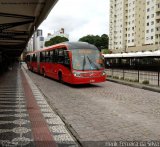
(61, 56)
(34, 58)
(41, 57)
(31, 58)
(55, 55)
(47, 57)
(66, 58)
(28, 58)
(51, 57)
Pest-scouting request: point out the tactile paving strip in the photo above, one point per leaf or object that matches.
(60, 134)
(15, 129)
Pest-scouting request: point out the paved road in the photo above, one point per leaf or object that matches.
(106, 111)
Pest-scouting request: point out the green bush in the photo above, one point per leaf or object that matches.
(115, 77)
(126, 79)
(122, 78)
(135, 80)
(145, 82)
(131, 80)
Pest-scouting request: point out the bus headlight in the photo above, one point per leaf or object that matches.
(76, 74)
(103, 73)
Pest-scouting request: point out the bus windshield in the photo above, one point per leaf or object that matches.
(87, 59)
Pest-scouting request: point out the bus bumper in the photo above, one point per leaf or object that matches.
(89, 80)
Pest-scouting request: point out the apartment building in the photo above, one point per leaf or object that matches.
(134, 25)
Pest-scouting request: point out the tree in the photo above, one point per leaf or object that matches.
(106, 51)
(104, 41)
(100, 42)
(56, 40)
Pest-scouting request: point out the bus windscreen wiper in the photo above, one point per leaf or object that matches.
(92, 63)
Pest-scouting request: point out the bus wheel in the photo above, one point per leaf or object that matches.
(60, 77)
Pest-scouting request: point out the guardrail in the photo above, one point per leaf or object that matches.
(144, 77)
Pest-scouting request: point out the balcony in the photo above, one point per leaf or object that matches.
(157, 9)
(157, 16)
(157, 24)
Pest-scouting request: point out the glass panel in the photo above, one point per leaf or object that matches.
(87, 59)
(47, 57)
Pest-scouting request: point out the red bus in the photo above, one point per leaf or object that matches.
(70, 62)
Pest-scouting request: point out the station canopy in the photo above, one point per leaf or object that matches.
(137, 54)
(18, 20)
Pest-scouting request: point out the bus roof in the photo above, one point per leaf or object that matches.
(78, 45)
(69, 45)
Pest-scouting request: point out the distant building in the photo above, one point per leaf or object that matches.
(30, 45)
(60, 33)
(134, 25)
(39, 40)
(36, 42)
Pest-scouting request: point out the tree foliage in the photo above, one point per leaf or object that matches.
(106, 51)
(56, 40)
(100, 42)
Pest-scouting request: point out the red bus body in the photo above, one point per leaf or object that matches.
(57, 62)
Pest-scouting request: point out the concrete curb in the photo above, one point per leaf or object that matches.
(136, 85)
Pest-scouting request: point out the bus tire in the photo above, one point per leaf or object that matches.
(60, 77)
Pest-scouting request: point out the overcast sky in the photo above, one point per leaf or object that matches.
(78, 18)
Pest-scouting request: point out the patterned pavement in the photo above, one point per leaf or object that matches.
(61, 135)
(15, 125)
(15, 129)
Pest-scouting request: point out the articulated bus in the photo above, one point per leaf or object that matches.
(70, 62)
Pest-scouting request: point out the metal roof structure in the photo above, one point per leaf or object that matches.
(18, 20)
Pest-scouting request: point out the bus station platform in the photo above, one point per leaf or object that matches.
(26, 119)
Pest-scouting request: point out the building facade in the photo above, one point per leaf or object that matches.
(60, 33)
(36, 42)
(134, 25)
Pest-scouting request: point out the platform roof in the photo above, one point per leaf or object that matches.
(18, 20)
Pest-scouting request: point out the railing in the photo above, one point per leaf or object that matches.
(144, 77)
